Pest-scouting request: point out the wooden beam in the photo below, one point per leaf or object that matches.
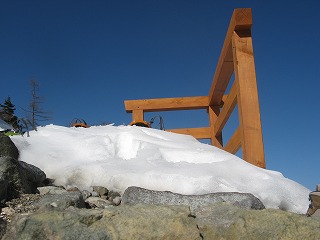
(241, 19)
(137, 115)
(216, 139)
(227, 109)
(234, 143)
(221, 77)
(199, 133)
(247, 97)
(167, 104)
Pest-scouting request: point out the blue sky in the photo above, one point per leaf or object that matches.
(90, 56)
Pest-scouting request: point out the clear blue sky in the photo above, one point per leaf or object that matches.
(90, 56)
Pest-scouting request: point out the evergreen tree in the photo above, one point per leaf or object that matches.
(8, 107)
(7, 113)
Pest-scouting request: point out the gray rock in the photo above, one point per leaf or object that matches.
(59, 217)
(51, 190)
(73, 189)
(3, 226)
(102, 191)
(3, 186)
(123, 222)
(226, 221)
(7, 148)
(116, 201)
(61, 201)
(31, 177)
(96, 202)
(112, 194)
(85, 194)
(33, 173)
(94, 194)
(16, 177)
(136, 195)
(10, 182)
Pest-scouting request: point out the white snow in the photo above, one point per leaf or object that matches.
(121, 156)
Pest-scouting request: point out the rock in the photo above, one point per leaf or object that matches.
(63, 216)
(22, 205)
(102, 191)
(315, 203)
(136, 195)
(16, 177)
(61, 201)
(10, 183)
(96, 202)
(51, 190)
(3, 226)
(8, 211)
(226, 221)
(85, 194)
(123, 222)
(33, 173)
(48, 182)
(73, 189)
(116, 201)
(112, 195)
(31, 177)
(95, 194)
(4, 179)
(7, 148)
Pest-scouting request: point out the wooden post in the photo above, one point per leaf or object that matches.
(216, 137)
(247, 97)
(241, 19)
(137, 115)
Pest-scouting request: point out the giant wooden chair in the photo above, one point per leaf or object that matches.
(236, 57)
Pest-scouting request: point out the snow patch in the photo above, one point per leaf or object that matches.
(121, 156)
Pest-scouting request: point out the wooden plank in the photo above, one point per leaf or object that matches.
(247, 97)
(199, 133)
(241, 19)
(167, 104)
(137, 115)
(227, 109)
(221, 77)
(216, 139)
(234, 143)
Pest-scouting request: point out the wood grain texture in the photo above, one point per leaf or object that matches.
(248, 102)
(241, 19)
(234, 143)
(167, 104)
(199, 133)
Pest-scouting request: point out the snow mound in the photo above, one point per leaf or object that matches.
(121, 156)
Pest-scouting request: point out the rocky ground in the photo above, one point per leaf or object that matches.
(22, 205)
(32, 208)
(56, 213)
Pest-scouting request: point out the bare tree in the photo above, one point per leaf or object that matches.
(37, 114)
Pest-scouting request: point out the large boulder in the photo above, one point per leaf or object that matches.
(136, 195)
(32, 177)
(10, 184)
(145, 221)
(7, 148)
(123, 222)
(61, 201)
(226, 221)
(3, 226)
(16, 177)
(63, 216)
